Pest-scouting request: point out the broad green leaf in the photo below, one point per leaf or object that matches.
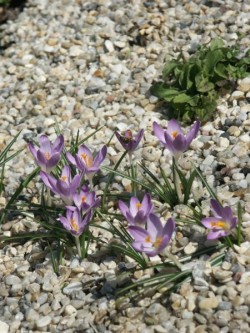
(182, 98)
(221, 70)
(162, 90)
(202, 83)
(169, 69)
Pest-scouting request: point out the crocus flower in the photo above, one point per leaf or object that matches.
(128, 142)
(85, 161)
(153, 240)
(222, 223)
(48, 154)
(86, 200)
(137, 212)
(173, 138)
(65, 186)
(73, 222)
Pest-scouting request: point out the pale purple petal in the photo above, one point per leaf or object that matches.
(173, 127)
(154, 226)
(139, 234)
(53, 160)
(159, 132)
(33, 150)
(58, 145)
(70, 158)
(123, 207)
(208, 220)
(45, 178)
(227, 213)
(41, 160)
(65, 223)
(234, 222)
(134, 206)
(217, 234)
(100, 156)
(84, 150)
(216, 208)
(180, 143)
(169, 228)
(193, 132)
(45, 144)
(169, 143)
(146, 204)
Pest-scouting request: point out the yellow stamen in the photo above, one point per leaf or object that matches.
(138, 205)
(47, 156)
(174, 134)
(129, 134)
(219, 224)
(158, 242)
(87, 160)
(83, 198)
(73, 224)
(148, 239)
(64, 178)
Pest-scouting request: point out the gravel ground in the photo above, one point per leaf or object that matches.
(84, 64)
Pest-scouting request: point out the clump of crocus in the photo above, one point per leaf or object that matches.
(65, 186)
(222, 223)
(47, 155)
(173, 138)
(155, 238)
(129, 142)
(138, 211)
(86, 200)
(86, 162)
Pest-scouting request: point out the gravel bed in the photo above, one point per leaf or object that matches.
(85, 64)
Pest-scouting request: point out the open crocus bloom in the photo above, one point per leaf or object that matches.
(222, 223)
(137, 212)
(85, 161)
(173, 138)
(48, 154)
(128, 142)
(65, 186)
(73, 222)
(86, 200)
(153, 240)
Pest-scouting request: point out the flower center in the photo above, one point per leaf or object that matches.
(88, 160)
(47, 156)
(174, 134)
(73, 224)
(220, 224)
(83, 198)
(64, 178)
(158, 242)
(127, 137)
(138, 205)
(148, 239)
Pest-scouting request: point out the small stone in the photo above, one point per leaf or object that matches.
(244, 84)
(208, 303)
(43, 322)
(237, 95)
(4, 328)
(72, 287)
(190, 248)
(12, 279)
(70, 310)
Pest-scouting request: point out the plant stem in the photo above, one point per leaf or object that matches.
(177, 181)
(174, 259)
(132, 173)
(48, 197)
(78, 246)
(90, 179)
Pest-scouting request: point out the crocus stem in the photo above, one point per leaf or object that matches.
(177, 181)
(132, 174)
(48, 197)
(90, 179)
(174, 259)
(78, 246)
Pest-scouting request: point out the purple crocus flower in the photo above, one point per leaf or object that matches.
(128, 142)
(173, 138)
(65, 187)
(73, 222)
(86, 200)
(222, 223)
(137, 212)
(153, 240)
(48, 154)
(85, 161)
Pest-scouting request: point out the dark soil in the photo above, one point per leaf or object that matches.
(11, 11)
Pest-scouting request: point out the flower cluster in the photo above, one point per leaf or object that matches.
(79, 200)
(150, 236)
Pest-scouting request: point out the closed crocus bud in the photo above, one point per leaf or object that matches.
(222, 223)
(73, 222)
(173, 138)
(47, 155)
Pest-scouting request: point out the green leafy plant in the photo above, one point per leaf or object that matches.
(191, 87)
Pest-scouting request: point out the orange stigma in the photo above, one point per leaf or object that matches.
(88, 160)
(73, 224)
(148, 239)
(83, 198)
(219, 224)
(158, 242)
(174, 134)
(47, 156)
(64, 178)
(138, 205)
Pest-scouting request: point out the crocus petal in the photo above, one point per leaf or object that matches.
(58, 144)
(134, 202)
(173, 127)
(65, 223)
(32, 150)
(45, 179)
(84, 150)
(216, 208)
(146, 204)
(80, 163)
(234, 222)
(169, 143)
(45, 144)
(53, 160)
(70, 158)
(41, 160)
(217, 234)
(62, 188)
(193, 132)
(139, 234)
(154, 226)
(123, 207)
(227, 213)
(159, 132)
(75, 183)
(169, 228)
(180, 143)
(100, 156)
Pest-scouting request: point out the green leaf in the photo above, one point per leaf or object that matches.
(182, 98)
(202, 83)
(221, 71)
(169, 69)
(162, 90)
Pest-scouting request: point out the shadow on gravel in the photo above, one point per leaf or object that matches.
(11, 10)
